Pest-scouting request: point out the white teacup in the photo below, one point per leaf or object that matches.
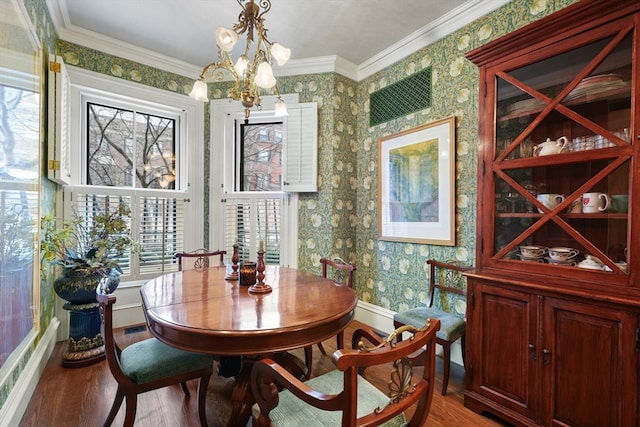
(562, 254)
(550, 200)
(532, 251)
(595, 202)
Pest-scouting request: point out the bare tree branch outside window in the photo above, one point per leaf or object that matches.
(130, 149)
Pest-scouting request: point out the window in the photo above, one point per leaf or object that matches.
(130, 148)
(262, 164)
(130, 145)
(260, 157)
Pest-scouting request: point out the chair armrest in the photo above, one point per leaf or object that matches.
(267, 377)
(371, 335)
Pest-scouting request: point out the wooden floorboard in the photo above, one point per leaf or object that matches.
(82, 397)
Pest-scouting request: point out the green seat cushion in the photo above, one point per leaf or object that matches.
(451, 327)
(151, 360)
(293, 412)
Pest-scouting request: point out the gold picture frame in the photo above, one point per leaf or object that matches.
(416, 184)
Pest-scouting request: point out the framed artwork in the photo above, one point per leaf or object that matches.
(416, 180)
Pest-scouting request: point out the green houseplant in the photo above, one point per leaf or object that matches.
(88, 248)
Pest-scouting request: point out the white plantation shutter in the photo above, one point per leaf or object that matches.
(59, 126)
(250, 220)
(156, 227)
(300, 168)
(161, 233)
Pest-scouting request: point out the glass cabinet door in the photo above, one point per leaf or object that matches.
(562, 157)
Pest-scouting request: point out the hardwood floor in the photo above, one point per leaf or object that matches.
(83, 396)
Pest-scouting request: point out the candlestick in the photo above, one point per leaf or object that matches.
(260, 287)
(261, 246)
(234, 259)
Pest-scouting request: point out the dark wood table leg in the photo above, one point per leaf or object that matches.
(242, 396)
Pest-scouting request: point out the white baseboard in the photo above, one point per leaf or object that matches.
(381, 319)
(13, 409)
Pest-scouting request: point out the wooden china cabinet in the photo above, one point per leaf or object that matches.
(555, 342)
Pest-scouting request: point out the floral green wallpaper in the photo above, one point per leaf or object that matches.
(341, 218)
(391, 274)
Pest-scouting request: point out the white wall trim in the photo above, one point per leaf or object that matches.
(16, 404)
(468, 12)
(457, 18)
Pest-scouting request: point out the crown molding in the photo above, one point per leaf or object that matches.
(452, 21)
(443, 26)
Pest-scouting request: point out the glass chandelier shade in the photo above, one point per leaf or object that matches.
(252, 70)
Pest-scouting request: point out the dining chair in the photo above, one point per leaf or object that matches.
(446, 277)
(343, 396)
(342, 273)
(200, 258)
(148, 365)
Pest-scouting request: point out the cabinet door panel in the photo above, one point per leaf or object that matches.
(588, 351)
(506, 366)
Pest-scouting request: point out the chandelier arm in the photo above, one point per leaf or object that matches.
(253, 70)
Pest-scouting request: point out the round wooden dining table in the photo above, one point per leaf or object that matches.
(199, 310)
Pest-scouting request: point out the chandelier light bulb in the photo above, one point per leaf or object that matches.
(264, 76)
(281, 108)
(226, 39)
(280, 53)
(241, 65)
(199, 91)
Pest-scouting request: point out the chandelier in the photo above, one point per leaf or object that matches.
(252, 70)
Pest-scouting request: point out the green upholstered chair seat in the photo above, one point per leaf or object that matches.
(151, 359)
(293, 412)
(451, 327)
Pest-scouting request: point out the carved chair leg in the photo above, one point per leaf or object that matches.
(463, 344)
(340, 340)
(117, 402)
(321, 348)
(183, 384)
(130, 415)
(446, 360)
(203, 384)
(308, 359)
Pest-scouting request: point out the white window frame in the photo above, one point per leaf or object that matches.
(95, 87)
(225, 116)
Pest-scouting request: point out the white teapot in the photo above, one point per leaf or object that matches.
(550, 147)
(591, 262)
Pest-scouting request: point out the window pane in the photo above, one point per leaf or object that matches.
(18, 226)
(261, 157)
(156, 160)
(110, 150)
(110, 146)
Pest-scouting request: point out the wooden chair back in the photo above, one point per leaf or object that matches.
(343, 271)
(405, 387)
(199, 258)
(446, 277)
(152, 365)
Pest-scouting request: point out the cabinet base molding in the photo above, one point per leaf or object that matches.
(481, 405)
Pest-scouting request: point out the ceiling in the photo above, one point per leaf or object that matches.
(356, 31)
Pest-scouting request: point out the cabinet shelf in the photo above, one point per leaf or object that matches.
(581, 216)
(611, 95)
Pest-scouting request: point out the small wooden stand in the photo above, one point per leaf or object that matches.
(234, 259)
(260, 287)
